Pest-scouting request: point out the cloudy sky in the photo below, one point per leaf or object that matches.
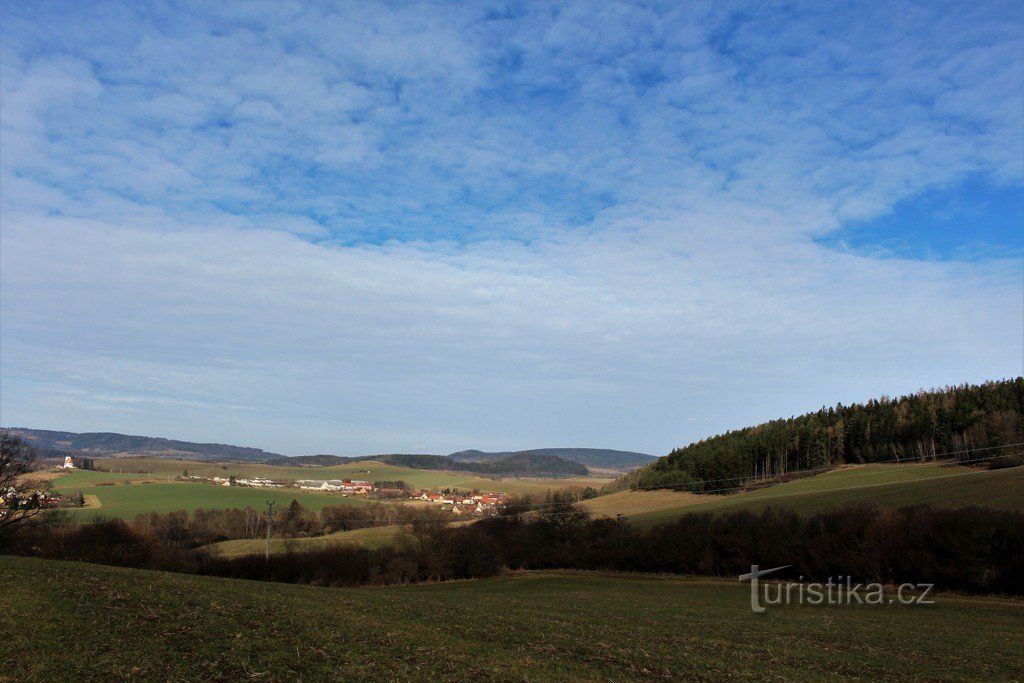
(373, 227)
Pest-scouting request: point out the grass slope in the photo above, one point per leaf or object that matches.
(882, 485)
(372, 538)
(67, 621)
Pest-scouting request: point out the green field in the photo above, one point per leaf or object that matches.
(70, 621)
(125, 501)
(376, 537)
(882, 485)
(368, 470)
(90, 478)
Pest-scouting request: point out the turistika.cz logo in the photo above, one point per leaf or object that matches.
(840, 592)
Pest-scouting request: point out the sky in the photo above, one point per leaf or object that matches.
(368, 227)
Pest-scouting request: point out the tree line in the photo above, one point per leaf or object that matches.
(976, 550)
(969, 421)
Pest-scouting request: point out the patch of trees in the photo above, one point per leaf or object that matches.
(967, 420)
(977, 550)
(397, 484)
(527, 464)
(84, 463)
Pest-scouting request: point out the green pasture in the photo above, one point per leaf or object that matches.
(104, 623)
(882, 485)
(125, 501)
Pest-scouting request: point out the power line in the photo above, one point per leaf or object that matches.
(270, 524)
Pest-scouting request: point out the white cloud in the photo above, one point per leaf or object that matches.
(267, 325)
(318, 230)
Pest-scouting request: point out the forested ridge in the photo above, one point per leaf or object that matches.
(523, 464)
(960, 420)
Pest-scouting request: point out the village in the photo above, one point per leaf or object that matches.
(453, 501)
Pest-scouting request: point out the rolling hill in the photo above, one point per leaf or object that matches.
(520, 464)
(57, 444)
(542, 462)
(591, 457)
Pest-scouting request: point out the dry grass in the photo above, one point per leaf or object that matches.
(640, 502)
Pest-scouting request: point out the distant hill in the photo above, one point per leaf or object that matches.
(57, 444)
(591, 457)
(541, 462)
(969, 422)
(524, 464)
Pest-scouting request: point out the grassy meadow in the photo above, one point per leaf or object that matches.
(106, 623)
(882, 485)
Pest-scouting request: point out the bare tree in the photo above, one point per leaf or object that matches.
(19, 498)
(430, 539)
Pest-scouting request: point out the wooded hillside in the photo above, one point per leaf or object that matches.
(961, 420)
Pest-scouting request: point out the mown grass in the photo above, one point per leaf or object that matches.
(373, 538)
(68, 621)
(886, 486)
(126, 501)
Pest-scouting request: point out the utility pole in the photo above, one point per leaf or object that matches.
(270, 524)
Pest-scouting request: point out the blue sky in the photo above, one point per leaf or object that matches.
(365, 227)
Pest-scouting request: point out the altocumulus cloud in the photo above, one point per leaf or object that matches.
(356, 227)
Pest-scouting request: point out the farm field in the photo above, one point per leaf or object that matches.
(65, 478)
(523, 626)
(882, 485)
(126, 501)
(372, 538)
